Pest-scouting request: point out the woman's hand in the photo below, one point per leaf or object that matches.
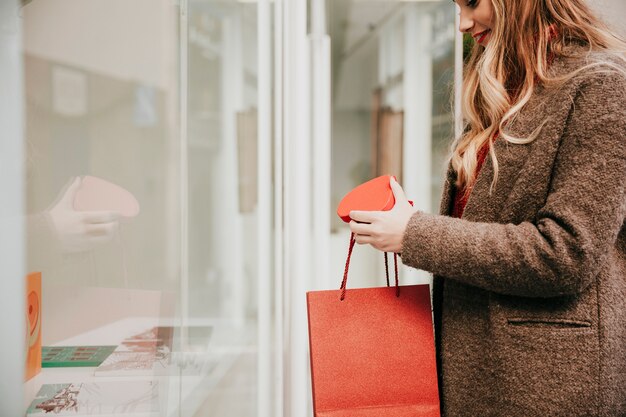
(384, 230)
(80, 231)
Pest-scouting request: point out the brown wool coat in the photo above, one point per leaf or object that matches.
(529, 291)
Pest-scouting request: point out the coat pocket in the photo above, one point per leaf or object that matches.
(558, 324)
(546, 350)
(554, 362)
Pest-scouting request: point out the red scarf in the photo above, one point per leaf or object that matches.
(460, 195)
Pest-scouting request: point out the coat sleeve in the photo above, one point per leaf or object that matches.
(562, 250)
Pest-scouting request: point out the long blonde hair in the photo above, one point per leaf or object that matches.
(500, 78)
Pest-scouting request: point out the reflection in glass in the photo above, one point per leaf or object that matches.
(392, 110)
(102, 188)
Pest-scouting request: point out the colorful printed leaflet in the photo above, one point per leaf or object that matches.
(128, 399)
(150, 353)
(146, 353)
(74, 356)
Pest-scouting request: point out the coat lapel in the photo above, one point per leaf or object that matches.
(487, 206)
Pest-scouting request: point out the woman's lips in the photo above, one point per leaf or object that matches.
(480, 37)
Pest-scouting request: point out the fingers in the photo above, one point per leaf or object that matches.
(397, 190)
(97, 217)
(364, 233)
(360, 228)
(364, 239)
(364, 216)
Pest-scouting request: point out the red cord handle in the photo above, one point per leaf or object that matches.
(344, 282)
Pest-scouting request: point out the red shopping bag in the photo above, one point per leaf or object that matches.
(372, 351)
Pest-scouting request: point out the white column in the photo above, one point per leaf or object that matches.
(183, 173)
(321, 143)
(264, 215)
(12, 293)
(227, 221)
(417, 147)
(383, 55)
(298, 229)
(173, 51)
(279, 247)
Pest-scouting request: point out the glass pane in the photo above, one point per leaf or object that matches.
(103, 201)
(393, 73)
(223, 201)
(142, 199)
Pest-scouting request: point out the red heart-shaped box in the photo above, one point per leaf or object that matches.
(96, 194)
(373, 195)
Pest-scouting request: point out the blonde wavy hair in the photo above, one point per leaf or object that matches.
(501, 77)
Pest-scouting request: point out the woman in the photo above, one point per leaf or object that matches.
(529, 254)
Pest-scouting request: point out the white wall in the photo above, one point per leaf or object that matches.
(613, 11)
(111, 37)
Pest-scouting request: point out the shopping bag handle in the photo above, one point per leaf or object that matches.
(344, 282)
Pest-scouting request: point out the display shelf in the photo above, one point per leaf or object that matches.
(210, 362)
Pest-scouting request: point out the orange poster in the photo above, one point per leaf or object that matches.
(33, 324)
